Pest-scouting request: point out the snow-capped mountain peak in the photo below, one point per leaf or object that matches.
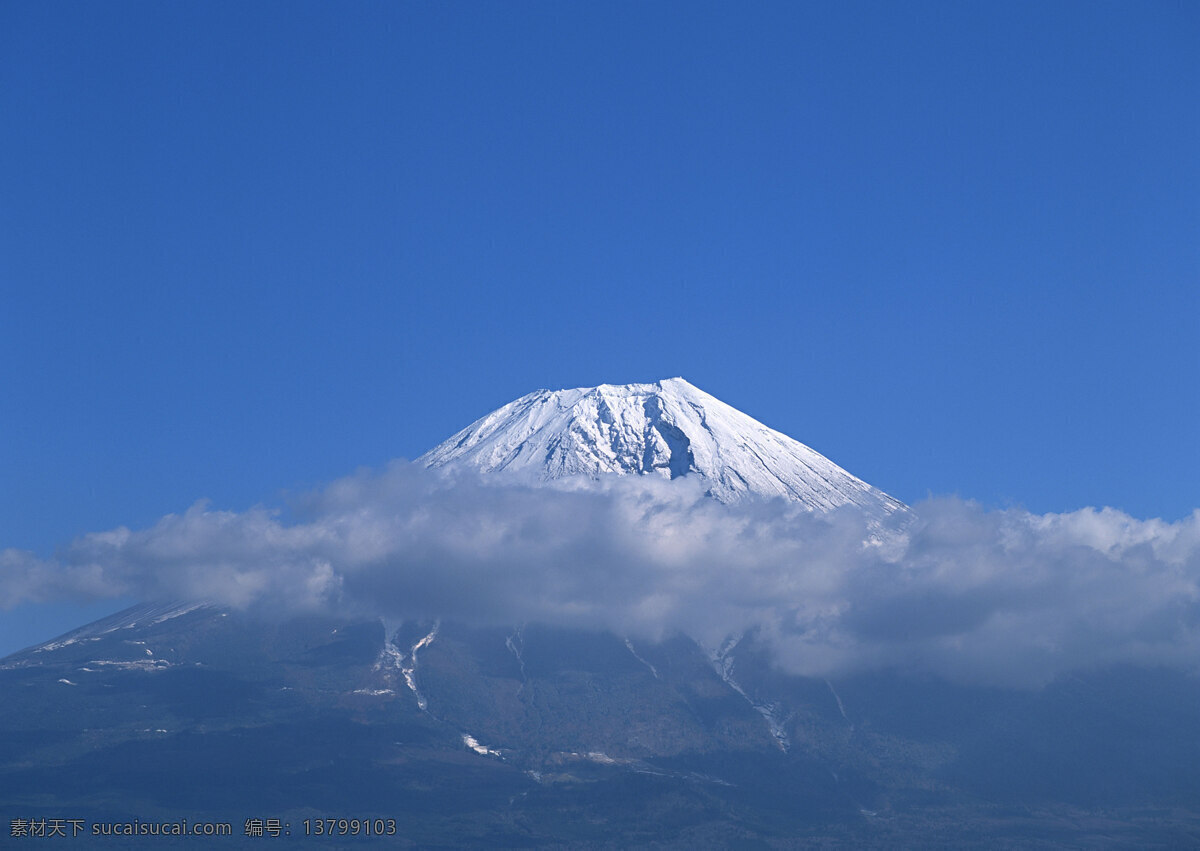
(669, 428)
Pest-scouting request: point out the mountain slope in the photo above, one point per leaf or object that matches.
(669, 429)
(538, 736)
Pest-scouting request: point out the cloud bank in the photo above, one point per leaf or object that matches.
(1001, 597)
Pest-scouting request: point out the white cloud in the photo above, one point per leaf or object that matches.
(991, 596)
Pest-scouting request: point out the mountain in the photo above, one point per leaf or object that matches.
(447, 734)
(534, 736)
(669, 429)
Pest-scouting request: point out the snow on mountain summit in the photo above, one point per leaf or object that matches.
(669, 428)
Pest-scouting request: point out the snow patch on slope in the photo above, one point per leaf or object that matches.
(483, 750)
(410, 671)
(722, 662)
(515, 643)
(146, 614)
(390, 656)
(629, 647)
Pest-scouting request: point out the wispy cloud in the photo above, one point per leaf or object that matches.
(990, 596)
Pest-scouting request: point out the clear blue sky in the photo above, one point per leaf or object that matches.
(246, 248)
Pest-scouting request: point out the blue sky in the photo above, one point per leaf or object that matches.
(248, 248)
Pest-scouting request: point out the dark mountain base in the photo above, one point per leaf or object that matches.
(545, 737)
